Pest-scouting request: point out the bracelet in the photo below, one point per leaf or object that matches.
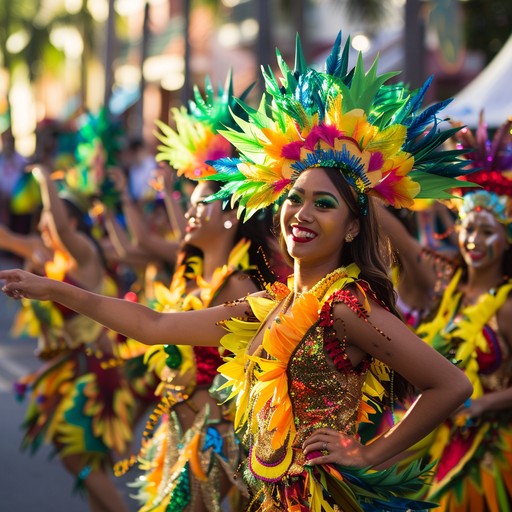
(84, 473)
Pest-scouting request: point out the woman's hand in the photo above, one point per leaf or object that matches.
(469, 413)
(326, 445)
(19, 284)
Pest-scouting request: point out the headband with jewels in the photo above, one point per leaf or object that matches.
(196, 139)
(373, 132)
(493, 160)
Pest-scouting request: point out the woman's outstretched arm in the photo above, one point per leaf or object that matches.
(29, 247)
(130, 319)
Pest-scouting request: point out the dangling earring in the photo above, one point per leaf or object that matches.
(228, 224)
(349, 237)
(208, 213)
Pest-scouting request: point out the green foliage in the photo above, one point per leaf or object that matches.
(488, 25)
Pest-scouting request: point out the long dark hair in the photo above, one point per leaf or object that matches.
(507, 263)
(371, 252)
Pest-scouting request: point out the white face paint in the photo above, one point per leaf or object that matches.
(482, 240)
(205, 221)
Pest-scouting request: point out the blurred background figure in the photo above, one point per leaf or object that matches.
(11, 170)
(140, 165)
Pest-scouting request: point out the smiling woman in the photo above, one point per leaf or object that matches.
(483, 226)
(308, 362)
(473, 326)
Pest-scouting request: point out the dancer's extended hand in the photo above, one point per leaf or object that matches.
(19, 284)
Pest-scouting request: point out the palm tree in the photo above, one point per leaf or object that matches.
(38, 55)
(20, 17)
(83, 20)
(372, 12)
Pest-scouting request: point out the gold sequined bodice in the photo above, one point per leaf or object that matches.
(298, 380)
(321, 396)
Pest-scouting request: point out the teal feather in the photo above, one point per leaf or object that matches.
(430, 142)
(288, 80)
(434, 186)
(256, 117)
(300, 61)
(227, 170)
(418, 125)
(362, 490)
(244, 143)
(213, 110)
(226, 191)
(337, 65)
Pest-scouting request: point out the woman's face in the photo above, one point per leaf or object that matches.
(315, 220)
(205, 221)
(482, 240)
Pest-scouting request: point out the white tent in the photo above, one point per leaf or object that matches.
(490, 91)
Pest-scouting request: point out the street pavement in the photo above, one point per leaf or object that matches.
(28, 483)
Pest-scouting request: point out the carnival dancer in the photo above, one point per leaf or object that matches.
(473, 328)
(312, 359)
(189, 460)
(79, 401)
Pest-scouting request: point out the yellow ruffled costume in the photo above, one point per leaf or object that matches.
(288, 388)
(180, 467)
(474, 457)
(79, 400)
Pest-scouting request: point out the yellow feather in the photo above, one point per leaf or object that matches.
(261, 306)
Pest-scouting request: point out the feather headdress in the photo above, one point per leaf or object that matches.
(493, 160)
(196, 139)
(374, 133)
(99, 140)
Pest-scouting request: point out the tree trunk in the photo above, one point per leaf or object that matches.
(139, 110)
(109, 53)
(413, 44)
(185, 91)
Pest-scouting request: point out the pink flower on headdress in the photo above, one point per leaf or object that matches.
(323, 132)
(396, 187)
(376, 162)
(397, 190)
(292, 151)
(212, 147)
